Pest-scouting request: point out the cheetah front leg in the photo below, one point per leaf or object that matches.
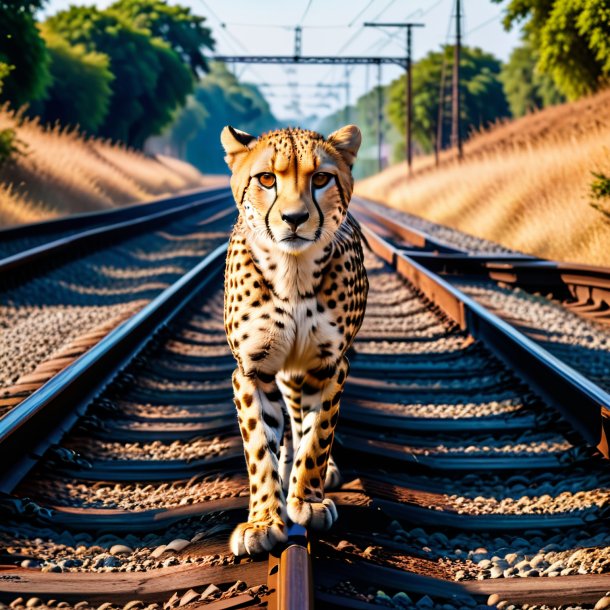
(290, 386)
(306, 503)
(261, 421)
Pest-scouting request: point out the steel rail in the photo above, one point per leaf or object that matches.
(290, 574)
(422, 240)
(40, 420)
(586, 288)
(295, 581)
(417, 238)
(581, 285)
(114, 230)
(584, 404)
(88, 220)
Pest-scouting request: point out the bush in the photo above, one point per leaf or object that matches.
(10, 145)
(600, 187)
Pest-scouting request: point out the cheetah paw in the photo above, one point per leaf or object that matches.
(333, 476)
(316, 515)
(253, 538)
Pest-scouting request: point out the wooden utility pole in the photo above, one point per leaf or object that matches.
(408, 88)
(456, 131)
(298, 38)
(347, 113)
(438, 145)
(379, 119)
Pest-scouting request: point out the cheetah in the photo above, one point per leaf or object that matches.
(295, 297)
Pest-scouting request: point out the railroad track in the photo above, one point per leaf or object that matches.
(472, 458)
(583, 289)
(27, 237)
(92, 273)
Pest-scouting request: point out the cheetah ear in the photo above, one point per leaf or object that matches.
(347, 141)
(235, 142)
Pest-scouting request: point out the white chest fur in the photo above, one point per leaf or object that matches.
(308, 329)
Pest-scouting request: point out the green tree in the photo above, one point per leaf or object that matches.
(227, 101)
(364, 113)
(483, 99)
(4, 72)
(80, 91)
(572, 38)
(151, 80)
(22, 53)
(525, 87)
(185, 33)
(189, 120)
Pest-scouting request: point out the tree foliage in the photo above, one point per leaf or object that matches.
(183, 32)
(525, 87)
(365, 114)
(23, 54)
(483, 99)
(189, 120)
(572, 39)
(80, 90)
(219, 99)
(150, 80)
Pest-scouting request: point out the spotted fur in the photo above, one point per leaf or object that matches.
(295, 296)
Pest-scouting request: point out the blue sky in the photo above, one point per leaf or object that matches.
(334, 27)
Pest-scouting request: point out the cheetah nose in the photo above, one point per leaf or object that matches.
(295, 219)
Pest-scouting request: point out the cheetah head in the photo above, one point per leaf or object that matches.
(292, 186)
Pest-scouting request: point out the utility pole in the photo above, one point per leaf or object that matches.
(456, 131)
(409, 86)
(298, 35)
(441, 113)
(379, 118)
(347, 117)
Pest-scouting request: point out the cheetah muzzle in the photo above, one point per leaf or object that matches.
(295, 296)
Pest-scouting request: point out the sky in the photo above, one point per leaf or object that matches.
(334, 27)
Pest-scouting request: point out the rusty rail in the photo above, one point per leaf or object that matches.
(290, 576)
(417, 238)
(584, 289)
(583, 403)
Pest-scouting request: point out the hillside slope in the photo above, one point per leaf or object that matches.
(525, 184)
(61, 172)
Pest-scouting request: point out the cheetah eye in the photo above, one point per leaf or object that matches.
(321, 179)
(266, 179)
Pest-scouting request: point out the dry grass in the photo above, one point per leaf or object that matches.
(62, 172)
(524, 184)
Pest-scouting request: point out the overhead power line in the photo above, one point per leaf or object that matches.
(360, 13)
(485, 23)
(209, 9)
(284, 26)
(229, 37)
(387, 6)
(309, 3)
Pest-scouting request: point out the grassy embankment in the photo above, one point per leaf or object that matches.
(60, 172)
(526, 184)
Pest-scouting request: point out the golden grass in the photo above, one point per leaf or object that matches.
(63, 172)
(525, 184)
